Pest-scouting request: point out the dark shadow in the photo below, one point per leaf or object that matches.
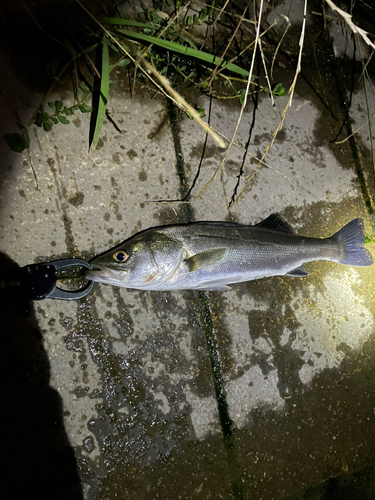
(37, 459)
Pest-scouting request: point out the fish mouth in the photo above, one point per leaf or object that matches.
(103, 274)
(94, 273)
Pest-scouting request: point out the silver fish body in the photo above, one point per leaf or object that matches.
(212, 255)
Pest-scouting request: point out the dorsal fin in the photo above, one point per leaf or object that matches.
(276, 223)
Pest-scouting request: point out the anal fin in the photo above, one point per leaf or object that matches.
(298, 272)
(218, 284)
(213, 288)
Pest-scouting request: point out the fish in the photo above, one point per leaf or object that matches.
(213, 255)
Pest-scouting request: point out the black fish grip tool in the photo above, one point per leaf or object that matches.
(38, 281)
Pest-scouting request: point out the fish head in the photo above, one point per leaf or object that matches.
(129, 264)
(141, 262)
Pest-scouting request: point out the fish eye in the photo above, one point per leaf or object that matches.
(120, 256)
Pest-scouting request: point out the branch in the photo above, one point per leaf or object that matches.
(348, 19)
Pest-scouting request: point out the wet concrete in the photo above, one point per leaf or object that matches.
(262, 392)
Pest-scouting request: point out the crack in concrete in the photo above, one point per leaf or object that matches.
(206, 320)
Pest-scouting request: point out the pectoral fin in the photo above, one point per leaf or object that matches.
(298, 272)
(207, 258)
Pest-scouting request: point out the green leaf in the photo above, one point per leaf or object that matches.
(204, 85)
(187, 40)
(211, 10)
(41, 118)
(59, 106)
(52, 105)
(279, 90)
(123, 62)
(88, 49)
(188, 51)
(201, 112)
(203, 15)
(47, 126)
(113, 46)
(83, 86)
(85, 108)
(79, 95)
(128, 22)
(241, 95)
(104, 91)
(68, 111)
(17, 142)
(53, 119)
(368, 239)
(63, 120)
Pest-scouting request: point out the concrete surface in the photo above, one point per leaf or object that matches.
(260, 392)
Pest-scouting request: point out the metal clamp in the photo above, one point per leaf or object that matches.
(40, 280)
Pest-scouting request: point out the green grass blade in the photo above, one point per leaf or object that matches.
(188, 51)
(104, 91)
(128, 22)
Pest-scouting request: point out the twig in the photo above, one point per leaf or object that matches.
(48, 93)
(182, 103)
(170, 22)
(266, 72)
(30, 13)
(247, 145)
(219, 168)
(368, 111)
(125, 51)
(171, 93)
(247, 85)
(243, 51)
(351, 92)
(202, 156)
(221, 11)
(355, 131)
(360, 289)
(227, 47)
(33, 170)
(280, 42)
(289, 103)
(348, 19)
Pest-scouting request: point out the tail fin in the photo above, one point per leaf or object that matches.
(351, 239)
